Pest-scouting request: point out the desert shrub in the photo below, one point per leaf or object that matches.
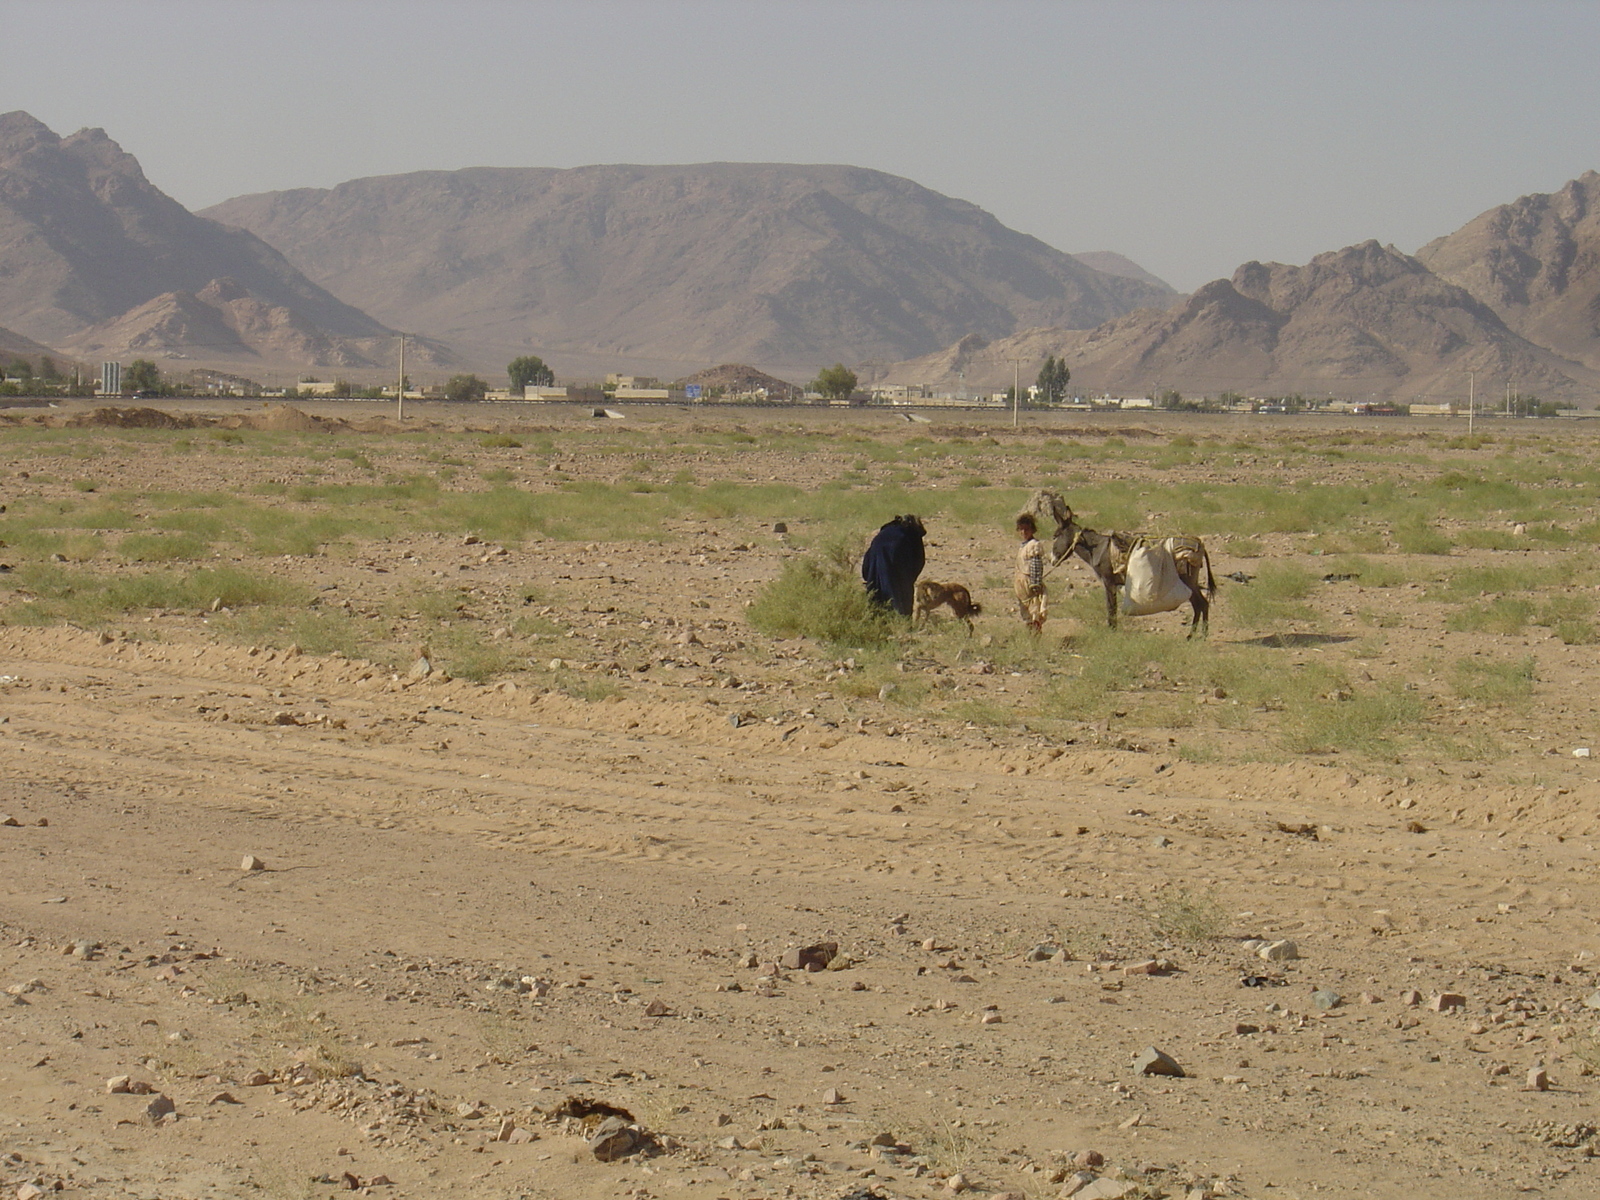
(1473, 583)
(500, 441)
(59, 593)
(822, 599)
(1278, 593)
(1486, 539)
(1416, 535)
(1494, 681)
(1506, 615)
(1188, 918)
(314, 630)
(1369, 723)
(157, 547)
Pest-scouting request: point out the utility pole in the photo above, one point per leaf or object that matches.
(1016, 390)
(1472, 393)
(400, 391)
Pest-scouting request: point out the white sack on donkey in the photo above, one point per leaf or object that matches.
(1151, 583)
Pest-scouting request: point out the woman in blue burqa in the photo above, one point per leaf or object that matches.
(892, 563)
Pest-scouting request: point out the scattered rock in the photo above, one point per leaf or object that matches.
(1538, 1081)
(1156, 1062)
(1445, 1001)
(1326, 998)
(257, 1079)
(252, 863)
(957, 1183)
(1106, 1189)
(833, 1096)
(420, 669)
(1244, 1029)
(614, 1139)
(119, 1085)
(1074, 1184)
(159, 1108)
(1282, 950)
(10, 821)
(223, 1098)
(1088, 1158)
(657, 1008)
(1411, 998)
(809, 958)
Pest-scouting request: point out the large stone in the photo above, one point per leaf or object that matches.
(1155, 1062)
(614, 1139)
(1106, 1189)
(159, 1108)
(1280, 951)
(810, 958)
(1445, 1001)
(1326, 998)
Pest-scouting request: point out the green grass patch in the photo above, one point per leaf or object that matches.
(1505, 681)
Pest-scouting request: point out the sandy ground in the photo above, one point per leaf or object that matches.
(477, 902)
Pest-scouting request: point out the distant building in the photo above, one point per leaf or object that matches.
(535, 391)
(630, 392)
(632, 381)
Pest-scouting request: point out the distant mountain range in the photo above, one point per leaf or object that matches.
(665, 269)
(788, 267)
(1363, 322)
(1513, 296)
(97, 261)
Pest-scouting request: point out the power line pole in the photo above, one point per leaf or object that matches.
(400, 392)
(1016, 390)
(1472, 404)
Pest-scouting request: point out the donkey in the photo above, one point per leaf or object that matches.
(1148, 575)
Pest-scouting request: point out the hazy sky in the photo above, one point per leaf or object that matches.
(1189, 136)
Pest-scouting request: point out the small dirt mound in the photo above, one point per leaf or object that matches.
(284, 418)
(128, 418)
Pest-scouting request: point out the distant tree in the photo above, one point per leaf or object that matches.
(1053, 379)
(143, 375)
(836, 382)
(1171, 398)
(48, 371)
(530, 371)
(465, 389)
(343, 389)
(20, 368)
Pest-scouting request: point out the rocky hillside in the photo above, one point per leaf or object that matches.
(14, 346)
(88, 243)
(1361, 322)
(1536, 262)
(665, 268)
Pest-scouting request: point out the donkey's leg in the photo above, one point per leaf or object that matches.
(1202, 613)
(1111, 603)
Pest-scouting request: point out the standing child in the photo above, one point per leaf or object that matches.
(1032, 601)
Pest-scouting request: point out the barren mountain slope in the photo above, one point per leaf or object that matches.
(777, 265)
(1113, 263)
(14, 346)
(1536, 262)
(1366, 320)
(85, 238)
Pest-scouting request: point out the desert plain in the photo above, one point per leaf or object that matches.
(387, 804)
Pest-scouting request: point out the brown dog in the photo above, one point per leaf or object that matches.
(931, 595)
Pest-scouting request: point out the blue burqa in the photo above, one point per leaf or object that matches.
(892, 563)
